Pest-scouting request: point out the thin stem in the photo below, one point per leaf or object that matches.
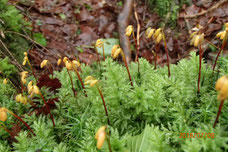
(33, 73)
(219, 112)
(80, 79)
(98, 58)
(200, 64)
(48, 108)
(167, 55)
(222, 47)
(157, 48)
(7, 130)
(19, 118)
(74, 92)
(137, 50)
(103, 51)
(106, 111)
(108, 141)
(125, 62)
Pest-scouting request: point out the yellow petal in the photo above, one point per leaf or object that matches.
(59, 61)
(100, 130)
(23, 80)
(193, 34)
(99, 43)
(65, 59)
(93, 83)
(116, 54)
(76, 63)
(196, 41)
(149, 33)
(114, 48)
(24, 63)
(159, 38)
(220, 82)
(89, 78)
(3, 116)
(68, 65)
(5, 81)
(129, 30)
(36, 89)
(157, 32)
(25, 53)
(18, 97)
(223, 35)
(100, 140)
(43, 63)
(218, 35)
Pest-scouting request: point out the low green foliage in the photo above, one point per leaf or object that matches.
(150, 116)
(163, 7)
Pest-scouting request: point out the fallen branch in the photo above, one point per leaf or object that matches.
(218, 4)
(123, 20)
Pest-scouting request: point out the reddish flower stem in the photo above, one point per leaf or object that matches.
(219, 112)
(48, 108)
(157, 48)
(106, 111)
(125, 62)
(80, 79)
(222, 47)
(200, 65)
(137, 51)
(103, 51)
(7, 130)
(19, 118)
(72, 84)
(167, 56)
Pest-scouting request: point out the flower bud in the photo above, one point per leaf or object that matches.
(222, 87)
(100, 136)
(149, 32)
(36, 89)
(93, 83)
(99, 43)
(5, 81)
(43, 63)
(157, 32)
(76, 63)
(159, 38)
(18, 98)
(3, 114)
(65, 59)
(129, 30)
(68, 65)
(59, 61)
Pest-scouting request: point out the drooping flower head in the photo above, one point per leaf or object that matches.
(129, 30)
(100, 136)
(222, 87)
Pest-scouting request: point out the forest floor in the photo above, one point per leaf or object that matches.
(72, 26)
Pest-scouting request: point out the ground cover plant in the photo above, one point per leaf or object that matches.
(151, 116)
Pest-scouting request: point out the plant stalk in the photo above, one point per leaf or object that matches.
(200, 66)
(80, 79)
(106, 111)
(72, 84)
(125, 62)
(167, 55)
(222, 47)
(103, 52)
(219, 112)
(19, 118)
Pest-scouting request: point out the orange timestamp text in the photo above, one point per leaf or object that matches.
(196, 135)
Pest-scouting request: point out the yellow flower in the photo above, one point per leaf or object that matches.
(197, 39)
(18, 97)
(99, 43)
(30, 87)
(159, 38)
(76, 63)
(43, 63)
(129, 30)
(100, 136)
(24, 74)
(116, 50)
(91, 81)
(25, 60)
(5, 81)
(68, 65)
(59, 61)
(3, 114)
(157, 33)
(222, 87)
(149, 32)
(65, 59)
(36, 89)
